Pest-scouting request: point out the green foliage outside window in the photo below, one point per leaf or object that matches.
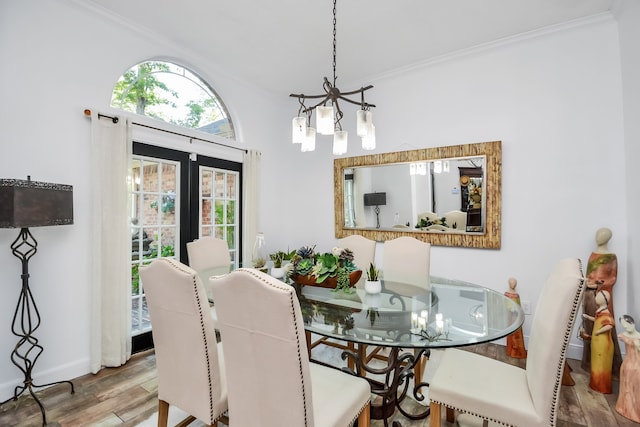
(173, 94)
(167, 251)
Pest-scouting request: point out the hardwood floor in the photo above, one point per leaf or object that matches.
(125, 396)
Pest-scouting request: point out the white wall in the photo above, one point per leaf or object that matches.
(554, 100)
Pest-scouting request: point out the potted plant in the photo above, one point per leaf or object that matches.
(372, 285)
(333, 269)
(279, 258)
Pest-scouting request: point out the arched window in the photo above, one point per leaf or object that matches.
(171, 93)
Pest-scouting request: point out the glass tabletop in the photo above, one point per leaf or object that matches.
(451, 313)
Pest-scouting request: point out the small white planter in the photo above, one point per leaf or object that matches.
(277, 272)
(372, 286)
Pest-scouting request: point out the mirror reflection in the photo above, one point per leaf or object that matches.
(443, 195)
(449, 196)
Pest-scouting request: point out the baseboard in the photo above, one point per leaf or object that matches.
(59, 373)
(574, 351)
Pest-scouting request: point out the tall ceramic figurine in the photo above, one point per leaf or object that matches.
(515, 341)
(602, 345)
(628, 404)
(602, 272)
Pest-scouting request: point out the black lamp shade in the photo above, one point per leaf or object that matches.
(375, 199)
(26, 203)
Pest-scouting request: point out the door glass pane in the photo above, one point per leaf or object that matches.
(206, 180)
(231, 236)
(150, 176)
(220, 184)
(231, 211)
(207, 212)
(168, 178)
(135, 176)
(219, 211)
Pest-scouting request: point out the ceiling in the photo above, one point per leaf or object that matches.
(285, 46)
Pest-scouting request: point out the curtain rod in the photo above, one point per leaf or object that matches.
(114, 119)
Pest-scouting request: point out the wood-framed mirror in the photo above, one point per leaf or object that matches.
(447, 196)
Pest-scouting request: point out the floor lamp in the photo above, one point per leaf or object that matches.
(377, 200)
(25, 204)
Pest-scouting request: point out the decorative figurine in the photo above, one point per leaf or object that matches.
(602, 345)
(628, 404)
(602, 272)
(515, 341)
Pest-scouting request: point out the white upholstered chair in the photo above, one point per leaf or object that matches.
(364, 251)
(406, 259)
(190, 364)
(456, 220)
(208, 252)
(504, 394)
(271, 382)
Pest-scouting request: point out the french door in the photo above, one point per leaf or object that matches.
(175, 200)
(218, 201)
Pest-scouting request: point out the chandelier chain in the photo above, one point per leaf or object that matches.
(334, 42)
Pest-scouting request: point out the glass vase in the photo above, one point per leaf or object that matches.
(259, 254)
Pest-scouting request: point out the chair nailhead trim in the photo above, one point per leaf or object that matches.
(473, 413)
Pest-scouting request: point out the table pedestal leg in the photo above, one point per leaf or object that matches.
(395, 387)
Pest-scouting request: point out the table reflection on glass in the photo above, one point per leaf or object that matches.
(451, 313)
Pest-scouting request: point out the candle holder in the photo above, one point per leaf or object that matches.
(420, 327)
(432, 335)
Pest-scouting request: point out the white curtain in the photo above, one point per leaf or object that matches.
(250, 175)
(111, 150)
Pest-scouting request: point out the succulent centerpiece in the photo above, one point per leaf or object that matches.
(333, 269)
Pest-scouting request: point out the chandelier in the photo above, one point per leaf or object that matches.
(329, 114)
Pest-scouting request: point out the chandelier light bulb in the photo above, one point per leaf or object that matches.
(364, 121)
(298, 130)
(324, 120)
(340, 142)
(369, 140)
(309, 143)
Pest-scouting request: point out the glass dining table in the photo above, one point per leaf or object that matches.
(409, 321)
